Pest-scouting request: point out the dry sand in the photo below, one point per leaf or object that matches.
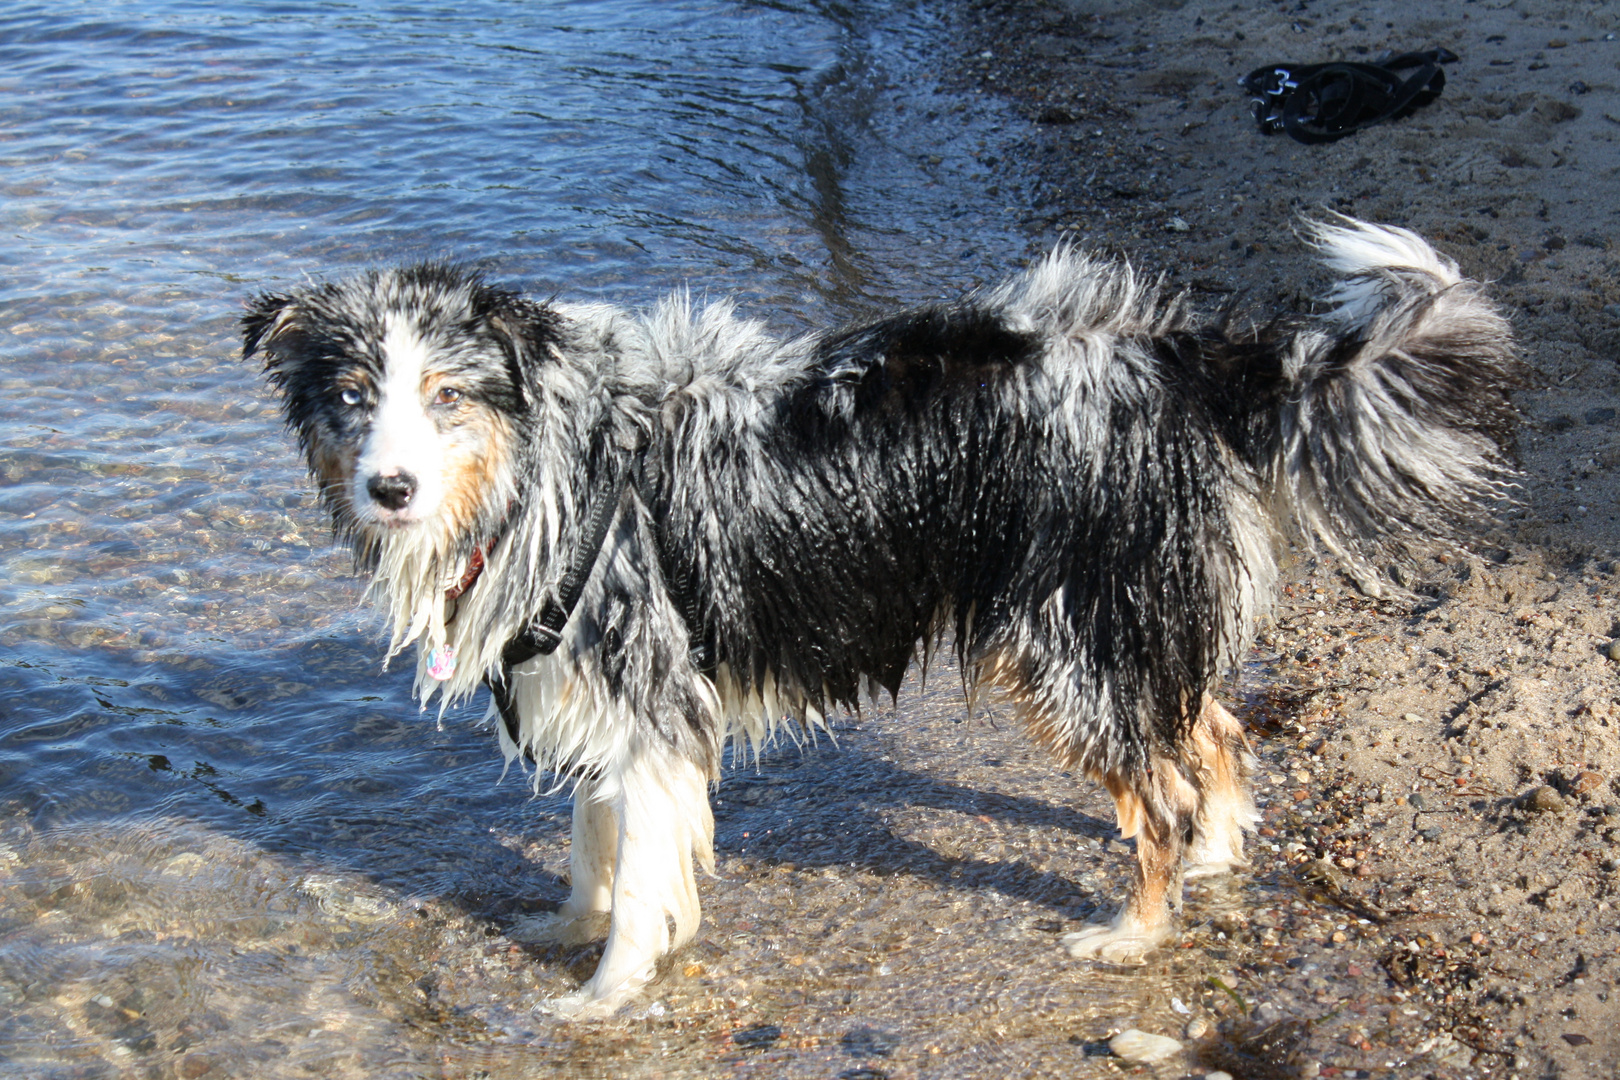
(1442, 770)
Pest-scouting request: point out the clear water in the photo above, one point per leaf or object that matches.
(229, 844)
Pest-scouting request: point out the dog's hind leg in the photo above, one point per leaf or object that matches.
(659, 801)
(1220, 763)
(1157, 808)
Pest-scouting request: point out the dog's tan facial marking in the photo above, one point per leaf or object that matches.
(477, 456)
(443, 398)
(330, 466)
(448, 401)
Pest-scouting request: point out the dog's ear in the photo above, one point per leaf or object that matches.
(530, 331)
(530, 334)
(268, 317)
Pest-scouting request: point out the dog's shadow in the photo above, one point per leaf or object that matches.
(850, 805)
(850, 809)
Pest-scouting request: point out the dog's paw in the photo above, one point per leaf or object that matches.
(600, 996)
(1212, 868)
(1115, 943)
(581, 1005)
(561, 928)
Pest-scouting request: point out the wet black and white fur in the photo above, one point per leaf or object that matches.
(1071, 479)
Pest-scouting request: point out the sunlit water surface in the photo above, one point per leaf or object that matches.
(229, 843)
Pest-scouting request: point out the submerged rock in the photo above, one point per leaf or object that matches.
(1140, 1046)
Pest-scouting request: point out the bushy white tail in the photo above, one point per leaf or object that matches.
(1398, 418)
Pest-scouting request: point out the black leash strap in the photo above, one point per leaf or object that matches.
(1318, 103)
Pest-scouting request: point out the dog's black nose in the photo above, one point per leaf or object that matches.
(392, 492)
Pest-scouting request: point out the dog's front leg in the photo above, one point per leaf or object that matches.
(659, 801)
(592, 852)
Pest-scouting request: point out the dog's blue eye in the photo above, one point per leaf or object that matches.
(351, 396)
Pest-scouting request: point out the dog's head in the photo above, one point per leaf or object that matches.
(408, 391)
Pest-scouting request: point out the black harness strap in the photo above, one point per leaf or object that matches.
(1318, 103)
(678, 572)
(546, 632)
(542, 636)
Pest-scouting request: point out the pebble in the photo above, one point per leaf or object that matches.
(1413, 718)
(185, 864)
(338, 900)
(1140, 1046)
(1586, 781)
(1544, 799)
(1197, 1028)
(195, 1066)
(1614, 649)
(1218, 1074)
(1416, 801)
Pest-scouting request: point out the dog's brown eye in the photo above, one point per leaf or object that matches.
(447, 395)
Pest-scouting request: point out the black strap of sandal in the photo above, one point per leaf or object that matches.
(1318, 103)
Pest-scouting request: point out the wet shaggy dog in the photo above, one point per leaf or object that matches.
(650, 533)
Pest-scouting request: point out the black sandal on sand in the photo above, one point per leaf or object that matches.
(1318, 103)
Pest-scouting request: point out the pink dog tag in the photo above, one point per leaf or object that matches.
(442, 662)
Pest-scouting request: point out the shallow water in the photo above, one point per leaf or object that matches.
(229, 844)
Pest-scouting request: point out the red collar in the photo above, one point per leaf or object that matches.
(475, 567)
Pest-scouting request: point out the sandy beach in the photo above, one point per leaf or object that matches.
(1441, 766)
